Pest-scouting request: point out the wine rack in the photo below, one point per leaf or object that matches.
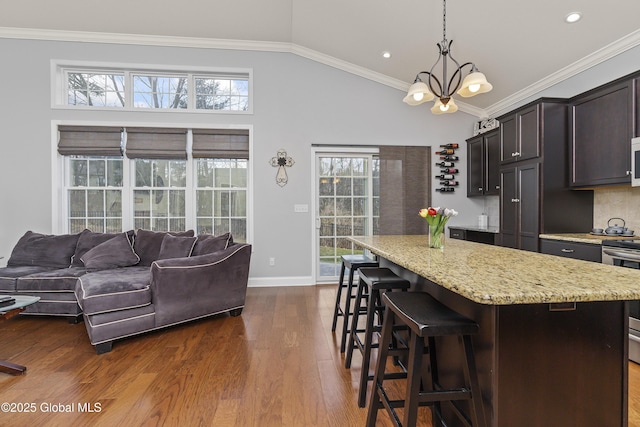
(448, 170)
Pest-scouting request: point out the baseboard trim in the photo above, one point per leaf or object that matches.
(257, 282)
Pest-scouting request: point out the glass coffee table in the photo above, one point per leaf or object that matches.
(7, 312)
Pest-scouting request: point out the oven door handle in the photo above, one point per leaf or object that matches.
(635, 338)
(622, 255)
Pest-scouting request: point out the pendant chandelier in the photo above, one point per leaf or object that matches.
(474, 84)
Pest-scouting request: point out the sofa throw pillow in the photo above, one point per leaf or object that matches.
(90, 239)
(207, 243)
(114, 253)
(176, 247)
(44, 250)
(147, 244)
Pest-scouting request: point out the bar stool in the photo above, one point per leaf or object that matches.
(426, 319)
(372, 282)
(353, 263)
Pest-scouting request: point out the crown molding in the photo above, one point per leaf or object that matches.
(617, 47)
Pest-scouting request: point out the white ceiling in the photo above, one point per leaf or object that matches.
(516, 44)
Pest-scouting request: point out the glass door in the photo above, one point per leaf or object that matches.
(346, 205)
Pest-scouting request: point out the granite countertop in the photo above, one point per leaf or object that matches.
(493, 230)
(496, 275)
(584, 237)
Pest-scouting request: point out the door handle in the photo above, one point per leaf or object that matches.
(515, 200)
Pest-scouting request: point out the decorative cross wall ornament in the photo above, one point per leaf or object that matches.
(280, 162)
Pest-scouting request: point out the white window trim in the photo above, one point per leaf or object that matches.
(59, 197)
(59, 94)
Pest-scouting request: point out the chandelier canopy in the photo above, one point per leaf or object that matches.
(475, 83)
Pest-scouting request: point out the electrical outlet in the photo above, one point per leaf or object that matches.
(272, 262)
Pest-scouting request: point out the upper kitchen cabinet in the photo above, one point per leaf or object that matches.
(601, 125)
(519, 135)
(483, 164)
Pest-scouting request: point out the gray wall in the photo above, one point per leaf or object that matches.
(297, 103)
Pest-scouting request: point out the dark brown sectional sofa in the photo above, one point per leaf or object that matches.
(129, 283)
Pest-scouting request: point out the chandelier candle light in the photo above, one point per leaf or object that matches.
(474, 84)
(437, 219)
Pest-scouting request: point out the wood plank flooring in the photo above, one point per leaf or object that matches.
(276, 365)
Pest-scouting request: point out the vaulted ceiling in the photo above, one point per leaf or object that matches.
(516, 44)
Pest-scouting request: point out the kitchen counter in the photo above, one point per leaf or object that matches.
(503, 275)
(553, 331)
(584, 237)
(494, 230)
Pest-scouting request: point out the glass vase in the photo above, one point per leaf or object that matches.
(436, 238)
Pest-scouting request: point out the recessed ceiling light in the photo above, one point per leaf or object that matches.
(386, 55)
(573, 17)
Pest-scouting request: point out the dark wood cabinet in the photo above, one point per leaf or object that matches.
(519, 218)
(483, 164)
(576, 250)
(636, 83)
(601, 127)
(535, 196)
(470, 235)
(519, 137)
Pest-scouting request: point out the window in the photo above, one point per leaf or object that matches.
(131, 89)
(221, 196)
(110, 192)
(94, 194)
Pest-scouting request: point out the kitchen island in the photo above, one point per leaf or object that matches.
(552, 348)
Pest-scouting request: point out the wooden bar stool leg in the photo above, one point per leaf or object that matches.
(337, 308)
(375, 402)
(366, 354)
(354, 324)
(412, 397)
(477, 408)
(436, 408)
(347, 313)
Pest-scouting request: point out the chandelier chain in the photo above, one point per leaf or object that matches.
(444, 20)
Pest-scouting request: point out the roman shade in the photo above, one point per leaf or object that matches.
(90, 141)
(156, 143)
(221, 143)
(405, 188)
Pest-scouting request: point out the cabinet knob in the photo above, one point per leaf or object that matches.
(516, 154)
(479, 188)
(497, 187)
(628, 173)
(568, 251)
(515, 200)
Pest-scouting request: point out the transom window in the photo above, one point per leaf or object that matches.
(131, 89)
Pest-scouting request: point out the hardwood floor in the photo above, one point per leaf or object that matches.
(276, 365)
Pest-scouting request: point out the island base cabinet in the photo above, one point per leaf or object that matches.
(562, 368)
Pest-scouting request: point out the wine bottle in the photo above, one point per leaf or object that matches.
(446, 151)
(445, 164)
(449, 170)
(449, 158)
(450, 146)
(446, 189)
(444, 176)
(449, 183)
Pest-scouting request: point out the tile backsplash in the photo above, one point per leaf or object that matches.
(620, 202)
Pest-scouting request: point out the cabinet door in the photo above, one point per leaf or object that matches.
(508, 208)
(601, 130)
(528, 134)
(508, 139)
(529, 206)
(475, 167)
(492, 156)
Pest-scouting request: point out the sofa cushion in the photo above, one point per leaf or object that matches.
(176, 247)
(112, 290)
(59, 280)
(44, 250)
(208, 244)
(88, 240)
(114, 253)
(8, 275)
(147, 244)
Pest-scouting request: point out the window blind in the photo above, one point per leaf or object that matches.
(90, 141)
(405, 188)
(156, 143)
(221, 143)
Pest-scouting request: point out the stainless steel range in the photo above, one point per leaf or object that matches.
(626, 253)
